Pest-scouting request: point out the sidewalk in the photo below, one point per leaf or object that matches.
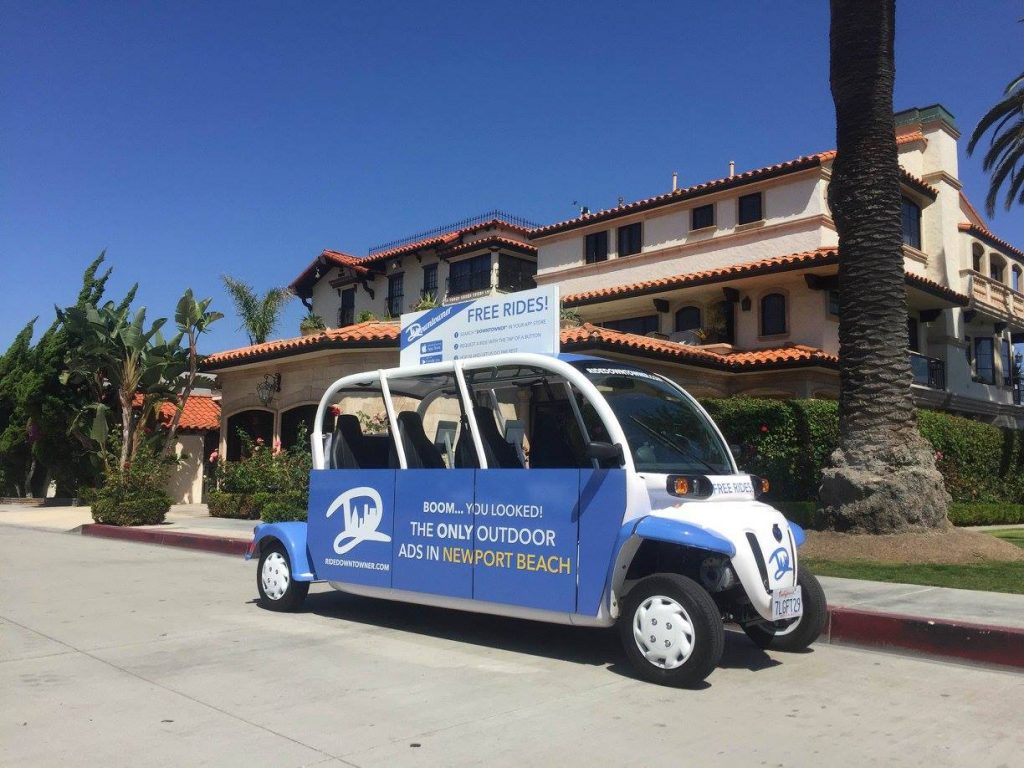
(986, 627)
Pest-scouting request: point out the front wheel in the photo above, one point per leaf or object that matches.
(671, 630)
(799, 634)
(278, 590)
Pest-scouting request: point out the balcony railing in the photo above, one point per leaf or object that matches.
(992, 293)
(928, 371)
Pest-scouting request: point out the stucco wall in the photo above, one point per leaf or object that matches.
(185, 486)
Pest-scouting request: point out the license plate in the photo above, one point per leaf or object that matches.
(787, 603)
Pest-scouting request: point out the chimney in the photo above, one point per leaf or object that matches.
(732, 168)
(675, 180)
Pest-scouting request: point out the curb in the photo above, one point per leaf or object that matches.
(946, 638)
(219, 544)
(940, 638)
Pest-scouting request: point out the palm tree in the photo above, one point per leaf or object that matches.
(1005, 156)
(258, 315)
(883, 475)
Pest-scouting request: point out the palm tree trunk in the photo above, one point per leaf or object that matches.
(883, 476)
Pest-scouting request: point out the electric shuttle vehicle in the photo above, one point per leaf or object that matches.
(558, 488)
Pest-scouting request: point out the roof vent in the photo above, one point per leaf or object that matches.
(675, 180)
(732, 168)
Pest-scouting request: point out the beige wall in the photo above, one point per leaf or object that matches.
(185, 486)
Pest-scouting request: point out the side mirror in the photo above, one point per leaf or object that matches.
(606, 452)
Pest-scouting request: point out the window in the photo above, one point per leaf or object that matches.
(984, 360)
(638, 325)
(396, 294)
(969, 353)
(1016, 279)
(750, 208)
(1004, 355)
(258, 425)
(429, 281)
(292, 420)
(913, 341)
(976, 254)
(470, 275)
(347, 310)
(996, 267)
(515, 274)
(911, 224)
(630, 239)
(688, 319)
(702, 217)
(773, 314)
(595, 247)
(833, 303)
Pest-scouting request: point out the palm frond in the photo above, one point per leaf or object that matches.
(1006, 147)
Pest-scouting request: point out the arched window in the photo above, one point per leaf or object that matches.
(1017, 279)
(976, 253)
(996, 267)
(688, 319)
(258, 425)
(773, 314)
(291, 421)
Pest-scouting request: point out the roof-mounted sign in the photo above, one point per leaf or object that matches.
(526, 321)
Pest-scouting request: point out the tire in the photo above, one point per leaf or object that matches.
(278, 590)
(798, 635)
(653, 630)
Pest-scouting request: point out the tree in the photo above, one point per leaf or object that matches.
(16, 464)
(193, 319)
(259, 316)
(883, 477)
(1005, 156)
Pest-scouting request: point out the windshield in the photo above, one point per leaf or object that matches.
(665, 430)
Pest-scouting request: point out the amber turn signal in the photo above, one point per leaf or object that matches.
(765, 485)
(682, 486)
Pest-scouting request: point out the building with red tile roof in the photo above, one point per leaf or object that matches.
(728, 286)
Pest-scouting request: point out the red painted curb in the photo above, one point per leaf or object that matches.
(219, 544)
(936, 637)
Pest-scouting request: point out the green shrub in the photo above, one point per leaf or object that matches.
(136, 496)
(984, 513)
(803, 513)
(284, 508)
(789, 441)
(239, 506)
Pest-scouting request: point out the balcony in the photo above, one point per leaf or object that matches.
(928, 371)
(994, 297)
(468, 283)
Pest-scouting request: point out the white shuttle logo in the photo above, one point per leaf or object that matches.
(415, 331)
(363, 510)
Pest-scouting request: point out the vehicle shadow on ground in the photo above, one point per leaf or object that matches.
(578, 645)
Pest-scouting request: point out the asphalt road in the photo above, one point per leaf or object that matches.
(115, 653)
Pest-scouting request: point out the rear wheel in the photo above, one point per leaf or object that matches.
(671, 630)
(278, 590)
(798, 634)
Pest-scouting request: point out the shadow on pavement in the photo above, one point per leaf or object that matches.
(579, 645)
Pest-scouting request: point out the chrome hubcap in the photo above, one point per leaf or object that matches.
(275, 576)
(663, 632)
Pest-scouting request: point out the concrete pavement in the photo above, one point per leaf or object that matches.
(117, 654)
(950, 623)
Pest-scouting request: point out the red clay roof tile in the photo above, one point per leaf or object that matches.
(985, 234)
(202, 413)
(768, 171)
(360, 334)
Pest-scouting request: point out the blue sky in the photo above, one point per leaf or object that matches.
(195, 139)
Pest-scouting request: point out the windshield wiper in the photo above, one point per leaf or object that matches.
(684, 453)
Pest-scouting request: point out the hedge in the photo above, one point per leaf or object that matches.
(789, 441)
(981, 513)
(265, 506)
(130, 502)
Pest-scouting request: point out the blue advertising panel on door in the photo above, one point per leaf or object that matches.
(433, 542)
(602, 505)
(525, 551)
(351, 525)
